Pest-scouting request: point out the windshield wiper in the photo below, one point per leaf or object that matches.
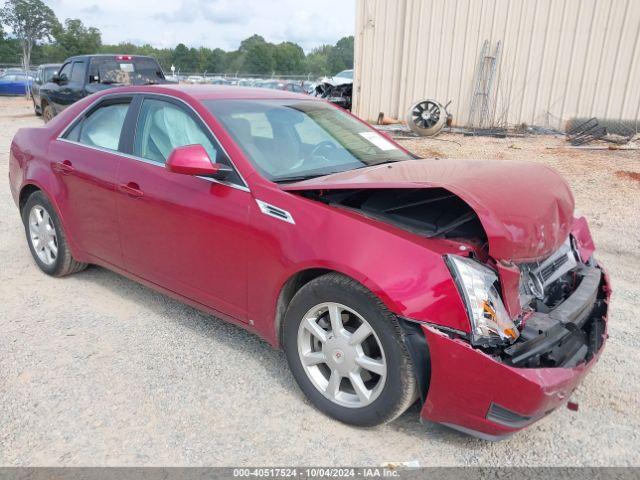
(298, 178)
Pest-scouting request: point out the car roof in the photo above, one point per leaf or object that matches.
(49, 65)
(212, 92)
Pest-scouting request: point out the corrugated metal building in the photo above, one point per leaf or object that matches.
(560, 58)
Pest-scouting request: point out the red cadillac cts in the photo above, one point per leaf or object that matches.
(465, 285)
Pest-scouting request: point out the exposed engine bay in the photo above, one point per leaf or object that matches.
(563, 299)
(431, 212)
(564, 306)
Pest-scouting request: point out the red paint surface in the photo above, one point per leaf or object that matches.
(191, 160)
(465, 382)
(525, 208)
(208, 244)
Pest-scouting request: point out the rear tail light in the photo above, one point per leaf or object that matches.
(124, 57)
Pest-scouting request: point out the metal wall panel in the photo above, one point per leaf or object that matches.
(561, 58)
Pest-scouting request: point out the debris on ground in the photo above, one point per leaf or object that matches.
(487, 132)
(396, 130)
(591, 130)
(428, 117)
(384, 120)
(628, 175)
(586, 132)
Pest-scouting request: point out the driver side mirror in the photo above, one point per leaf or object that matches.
(59, 79)
(194, 160)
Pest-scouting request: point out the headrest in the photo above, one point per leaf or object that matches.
(240, 127)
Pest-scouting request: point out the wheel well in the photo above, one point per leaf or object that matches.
(25, 193)
(290, 288)
(413, 337)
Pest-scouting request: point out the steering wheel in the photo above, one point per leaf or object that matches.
(323, 149)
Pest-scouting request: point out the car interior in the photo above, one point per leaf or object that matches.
(164, 127)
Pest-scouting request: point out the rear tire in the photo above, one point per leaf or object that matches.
(35, 108)
(48, 113)
(46, 238)
(363, 379)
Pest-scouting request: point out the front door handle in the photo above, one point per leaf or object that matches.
(132, 189)
(65, 167)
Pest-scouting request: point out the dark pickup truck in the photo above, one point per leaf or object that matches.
(86, 74)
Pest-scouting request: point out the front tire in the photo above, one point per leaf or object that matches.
(35, 108)
(46, 238)
(346, 352)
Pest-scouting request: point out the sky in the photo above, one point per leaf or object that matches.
(213, 23)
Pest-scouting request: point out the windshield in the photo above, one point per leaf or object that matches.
(346, 74)
(126, 70)
(288, 140)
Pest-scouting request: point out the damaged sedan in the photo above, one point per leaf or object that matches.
(467, 286)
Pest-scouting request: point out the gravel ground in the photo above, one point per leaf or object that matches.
(98, 370)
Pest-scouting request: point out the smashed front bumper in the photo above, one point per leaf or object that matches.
(494, 396)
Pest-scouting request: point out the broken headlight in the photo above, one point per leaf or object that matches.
(490, 322)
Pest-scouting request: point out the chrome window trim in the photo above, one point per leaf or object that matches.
(244, 187)
(151, 162)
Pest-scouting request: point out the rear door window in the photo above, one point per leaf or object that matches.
(102, 127)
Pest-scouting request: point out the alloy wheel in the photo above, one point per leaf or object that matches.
(342, 355)
(43, 236)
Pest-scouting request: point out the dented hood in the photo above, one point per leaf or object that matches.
(525, 208)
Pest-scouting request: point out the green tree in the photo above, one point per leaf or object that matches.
(10, 51)
(259, 59)
(316, 62)
(234, 61)
(289, 58)
(47, 53)
(181, 58)
(75, 39)
(30, 21)
(340, 57)
(247, 43)
(212, 61)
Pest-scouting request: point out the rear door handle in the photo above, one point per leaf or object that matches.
(65, 167)
(132, 189)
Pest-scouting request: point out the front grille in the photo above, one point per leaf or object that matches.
(535, 278)
(548, 270)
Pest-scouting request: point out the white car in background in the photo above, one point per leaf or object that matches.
(342, 78)
(195, 79)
